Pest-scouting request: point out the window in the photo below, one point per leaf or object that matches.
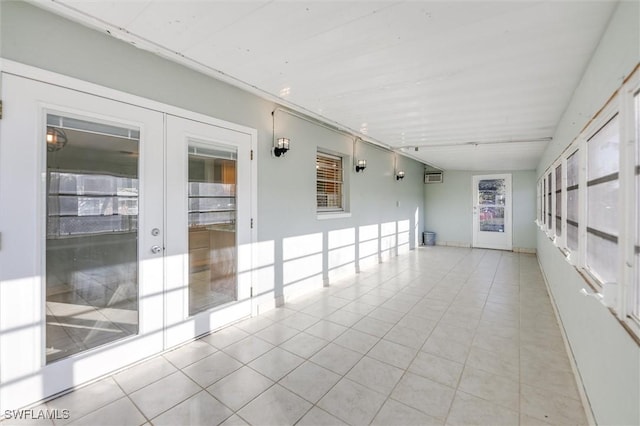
(549, 203)
(636, 303)
(572, 201)
(603, 157)
(558, 200)
(329, 183)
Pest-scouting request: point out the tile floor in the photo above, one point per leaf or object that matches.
(438, 336)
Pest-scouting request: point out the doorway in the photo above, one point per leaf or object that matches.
(492, 223)
(125, 231)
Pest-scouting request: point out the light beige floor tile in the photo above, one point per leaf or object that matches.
(212, 368)
(492, 363)
(326, 330)
(556, 381)
(357, 341)
(300, 321)
(200, 409)
(310, 381)
(408, 336)
(225, 337)
(344, 318)
(551, 407)
(352, 402)
(189, 353)
(507, 348)
(393, 353)
(248, 349)
(155, 399)
(396, 413)
(121, 412)
(143, 374)
(526, 420)
(424, 395)
(255, 324)
(437, 369)
(373, 326)
(386, 315)
(336, 358)
(276, 406)
(87, 399)
(497, 389)
(276, 363)
(448, 332)
(277, 333)
(447, 348)
(318, 417)
(234, 420)
(239, 387)
(304, 345)
(376, 375)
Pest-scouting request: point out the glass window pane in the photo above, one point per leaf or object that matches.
(212, 227)
(558, 186)
(572, 169)
(572, 205)
(572, 237)
(602, 258)
(603, 151)
(329, 182)
(603, 207)
(549, 202)
(91, 237)
(492, 219)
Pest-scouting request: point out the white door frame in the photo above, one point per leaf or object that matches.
(493, 240)
(24, 376)
(179, 325)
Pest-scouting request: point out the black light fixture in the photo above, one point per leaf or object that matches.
(281, 147)
(400, 175)
(361, 165)
(56, 139)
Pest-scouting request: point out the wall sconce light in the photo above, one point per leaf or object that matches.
(400, 175)
(56, 139)
(361, 165)
(281, 147)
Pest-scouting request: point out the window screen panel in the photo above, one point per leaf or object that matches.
(603, 162)
(329, 182)
(558, 198)
(572, 201)
(636, 303)
(549, 202)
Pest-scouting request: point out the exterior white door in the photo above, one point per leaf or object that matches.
(81, 263)
(124, 231)
(209, 223)
(492, 224)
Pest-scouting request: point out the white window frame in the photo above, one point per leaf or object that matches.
(627, 289)
(343, 210)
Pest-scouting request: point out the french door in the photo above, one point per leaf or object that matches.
(124, 230)
(209, 225)
(492, 223)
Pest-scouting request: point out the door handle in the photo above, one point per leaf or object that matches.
(156, 249)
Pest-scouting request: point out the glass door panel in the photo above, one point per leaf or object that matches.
(91, 235)
(491, 211)
(212, 227)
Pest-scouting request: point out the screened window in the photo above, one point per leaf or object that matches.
(549, 202)
(572, 201)
(558, 200)
(602, 201)
(329, 182)
(636, 303)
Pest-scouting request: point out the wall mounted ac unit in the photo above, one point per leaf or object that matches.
(433, 177)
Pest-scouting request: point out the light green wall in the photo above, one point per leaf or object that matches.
(607, 357)
(448, 208)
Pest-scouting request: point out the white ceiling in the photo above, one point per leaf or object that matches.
(476, 85)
